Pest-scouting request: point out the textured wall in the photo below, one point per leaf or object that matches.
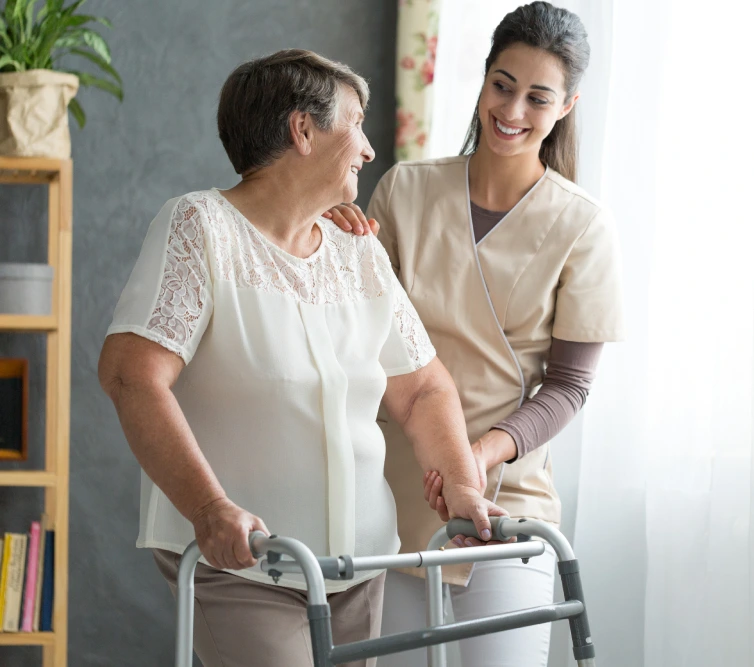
(161, 142)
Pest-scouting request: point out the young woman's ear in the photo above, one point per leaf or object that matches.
(571, 103)
(301, 127)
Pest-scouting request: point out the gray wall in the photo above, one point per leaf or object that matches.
(161, 142)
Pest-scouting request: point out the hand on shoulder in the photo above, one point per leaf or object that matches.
(350, 218)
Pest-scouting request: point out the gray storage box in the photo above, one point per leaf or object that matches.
(26, 289)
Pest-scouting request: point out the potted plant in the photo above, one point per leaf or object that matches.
(35, 89)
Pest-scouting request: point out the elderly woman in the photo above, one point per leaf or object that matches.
(248, 356)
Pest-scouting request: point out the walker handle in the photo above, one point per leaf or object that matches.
(466, 528)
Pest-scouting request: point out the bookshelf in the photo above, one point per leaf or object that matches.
(57, 175)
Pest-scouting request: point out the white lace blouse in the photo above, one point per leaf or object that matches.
(287, 360)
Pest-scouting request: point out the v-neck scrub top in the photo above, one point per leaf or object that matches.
(287, 360)
(549, 269)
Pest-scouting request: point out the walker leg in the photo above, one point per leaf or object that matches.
(321, 633)
(581, 636)
(184, 642)
(436, 655)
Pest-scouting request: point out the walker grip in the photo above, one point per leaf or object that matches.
(466, 528)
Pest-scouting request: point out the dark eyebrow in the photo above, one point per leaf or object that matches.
(504, 73)
(535, 86)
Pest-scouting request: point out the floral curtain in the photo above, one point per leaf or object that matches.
(416, 51)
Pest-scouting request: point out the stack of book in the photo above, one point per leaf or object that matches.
(26, 579)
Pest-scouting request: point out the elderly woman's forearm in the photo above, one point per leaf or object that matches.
(165, 447)
(437, 429)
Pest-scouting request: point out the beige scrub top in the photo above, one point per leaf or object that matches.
(550, 268)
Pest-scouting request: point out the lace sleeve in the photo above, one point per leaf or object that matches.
(183, 295)
(413, 334)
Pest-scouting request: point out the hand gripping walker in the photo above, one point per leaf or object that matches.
(341, 568)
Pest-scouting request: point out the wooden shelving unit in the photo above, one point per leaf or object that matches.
(57, 175)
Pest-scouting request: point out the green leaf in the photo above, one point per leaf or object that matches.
(29, 18)
(8, 62)
(97, 60)
(86, 79)
(14, 10)
(4, 37)
(75, 21)
(84, 37)
(48, 40)
(70, 9)
(54, 6)
(78, 113)
(96, 42)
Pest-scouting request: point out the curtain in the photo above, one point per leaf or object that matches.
(416, 49)
(664, 509)
(656, 475)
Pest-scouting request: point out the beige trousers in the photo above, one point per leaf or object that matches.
(242, 623)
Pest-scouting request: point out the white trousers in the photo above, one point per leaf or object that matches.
(495, 587)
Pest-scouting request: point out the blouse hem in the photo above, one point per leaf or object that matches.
(155, 338)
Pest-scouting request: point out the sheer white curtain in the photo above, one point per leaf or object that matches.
(657, 476)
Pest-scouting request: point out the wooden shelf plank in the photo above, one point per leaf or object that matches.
(27, 323)
(27, 478)
(30, 169)
(27, 638)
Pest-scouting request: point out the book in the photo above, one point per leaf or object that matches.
(4, 574)
(40, 573)
(30, 588)
(48, 583)
(15, 582)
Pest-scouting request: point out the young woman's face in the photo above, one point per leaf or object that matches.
(522, 98)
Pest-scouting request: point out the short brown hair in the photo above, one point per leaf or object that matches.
(259, 96)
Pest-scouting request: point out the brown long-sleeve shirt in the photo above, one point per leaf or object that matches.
(571, 368)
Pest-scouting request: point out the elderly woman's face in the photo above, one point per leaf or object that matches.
(345, 148)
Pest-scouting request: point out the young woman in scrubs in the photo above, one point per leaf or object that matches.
(515, 273)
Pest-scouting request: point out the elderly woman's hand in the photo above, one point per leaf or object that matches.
(350, 218)
(468, 503)
(433, 481)
(433, 494)
(222, 530)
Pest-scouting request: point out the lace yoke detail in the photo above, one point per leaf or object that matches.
(345, 268)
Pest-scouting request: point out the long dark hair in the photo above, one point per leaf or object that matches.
(561, 33)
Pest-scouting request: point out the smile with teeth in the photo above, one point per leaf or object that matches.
(510, 131)
(355, 170)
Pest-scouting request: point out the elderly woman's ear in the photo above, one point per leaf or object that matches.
(301, 126)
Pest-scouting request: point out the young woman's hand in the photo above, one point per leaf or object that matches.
(350, 218)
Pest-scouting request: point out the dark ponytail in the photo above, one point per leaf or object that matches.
(561, 33)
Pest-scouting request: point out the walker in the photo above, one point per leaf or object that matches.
(434, 637)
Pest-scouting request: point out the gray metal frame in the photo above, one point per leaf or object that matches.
(434, 637)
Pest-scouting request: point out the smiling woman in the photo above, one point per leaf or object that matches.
(533, 73)
(514, 270)
(247, 359)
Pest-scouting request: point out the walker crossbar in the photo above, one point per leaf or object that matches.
(343, 567)
(405, 641)
(435, 636)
